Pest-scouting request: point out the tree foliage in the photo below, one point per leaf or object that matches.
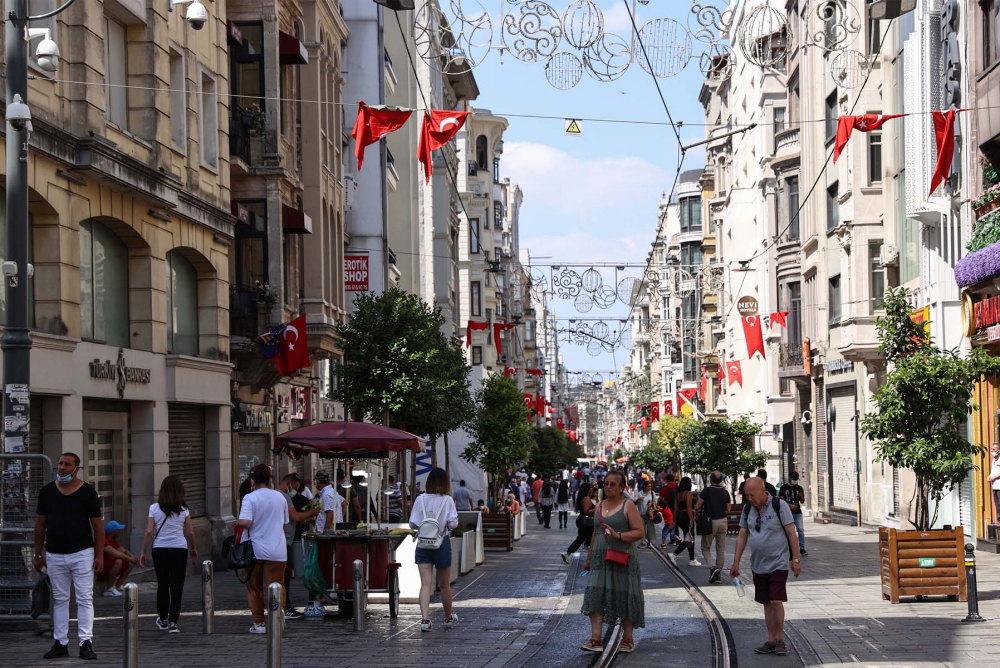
(663, 450)
(721, 445)
(552, 451)
(501, 435)
(922, 407)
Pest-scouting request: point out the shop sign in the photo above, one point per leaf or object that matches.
(328, 410)
(355, 273)
(806, 357)
(255, 418)
(839, 366)
(299, 403)
(993, 333)
(987, 312)
(747, 306)
(928, 562)
(922, 315)
(119, 372)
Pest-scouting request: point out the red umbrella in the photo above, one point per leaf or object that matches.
(357, 439)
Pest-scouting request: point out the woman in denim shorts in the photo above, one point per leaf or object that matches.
(436, 503)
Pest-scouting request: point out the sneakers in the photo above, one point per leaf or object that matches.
(425, 625)
(162, 624)
(173, 628)
(451, 622)
(673, 558)
(694, 562)
(87, 651)
(258, 629)
(112, 591)
(715, 577)
(565, 557)
(766, 648)
(58, 651)
(292, 613)
(803, 552)
(779, 648)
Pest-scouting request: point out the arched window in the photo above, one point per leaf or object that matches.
(103, 285)
(482, 154)
(182, 305)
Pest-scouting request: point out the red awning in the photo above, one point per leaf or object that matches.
(349, 439)
(295, 221)
(291, 50)
(622, 460)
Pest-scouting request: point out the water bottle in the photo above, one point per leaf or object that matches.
(584, 574)
(741, 591)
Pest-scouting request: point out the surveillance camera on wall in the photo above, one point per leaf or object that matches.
(47, 53)
(197, 15)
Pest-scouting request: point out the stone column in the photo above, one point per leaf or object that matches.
(218, 474)
(150, 462)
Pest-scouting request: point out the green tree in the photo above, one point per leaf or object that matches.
(721, 445)
(922, 408)
(550, 450)
(499, 427)
(616, 455)
(663, 450)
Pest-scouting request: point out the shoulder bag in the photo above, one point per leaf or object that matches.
(240, 553)
(612, 556)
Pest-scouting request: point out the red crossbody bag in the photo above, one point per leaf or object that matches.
(612, 556)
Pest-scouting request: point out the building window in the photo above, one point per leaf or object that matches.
(876, 275)
(474, 245)
(691, 256)
(178, 100)
(831, 117)
(835, 300)
(482, 154)
(182, 305)
(251, 247)
(989, 8)
(874, 37)
(477, 355)
(246, 68)
(115, 73)
(529, 330)
(690, 214)
(792, 200)
(209, 118)
(496, 170)
(103, 285)
(477, 298)
(779, 119)
(794, 306)
(832, 207)
(875, 157)
(497, 216)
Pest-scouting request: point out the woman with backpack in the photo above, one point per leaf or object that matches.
(562, 504)
(585, 506)
(170, 532)
(684, 519)
(434, 516)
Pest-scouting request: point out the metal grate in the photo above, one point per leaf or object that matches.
(23, 476)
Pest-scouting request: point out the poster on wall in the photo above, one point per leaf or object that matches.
(355, 273)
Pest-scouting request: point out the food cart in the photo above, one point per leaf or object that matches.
(368, 446)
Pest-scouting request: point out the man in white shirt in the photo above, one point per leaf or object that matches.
(332, 504)
(994, 480)
(264, 514)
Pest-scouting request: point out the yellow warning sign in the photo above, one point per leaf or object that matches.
(573, 127)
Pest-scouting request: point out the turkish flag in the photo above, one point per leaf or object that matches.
(704, 384)
(864, 122)
(471, 326)
(436, 130)
(372, 124)
(944, 132)
(497, 328)
(754, 335)
(293, 350)
(778, 318)
(533, 372)
(735, 373)
(529, 401)
(686, 394)
(509, 371)
(560, 423)
(539, 404)
(722, 377)
(655, 411)
(668, 408)
(643, 422)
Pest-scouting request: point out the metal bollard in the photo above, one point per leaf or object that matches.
(970, 584)
(275, 624)
(359, 595)
(130, 610)
(207, 598)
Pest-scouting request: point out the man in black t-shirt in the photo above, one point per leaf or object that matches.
(795, 496)
(299, 517)
(762, 474)
(69, 540)
(714, 502)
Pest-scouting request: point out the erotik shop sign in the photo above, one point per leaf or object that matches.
(987, 312)
(356, 273)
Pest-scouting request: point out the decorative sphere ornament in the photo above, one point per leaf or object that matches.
(536, 29)
(583, 24)
(835, 25)
(453, 45)
(608, 58)
(605, 296)
(626, 288)
(850, 68)
(668, 47)
(764, 37)
(563, 70)
(716, 62)
(602, 331)
(711, 19)
(592, 280)
(594, 348)
(584, 302)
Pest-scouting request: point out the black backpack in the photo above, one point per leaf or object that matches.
(776, 505)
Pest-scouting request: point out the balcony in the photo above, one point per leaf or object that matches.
(246, 314)
(787, 146)
(240, 125)
(790, 356)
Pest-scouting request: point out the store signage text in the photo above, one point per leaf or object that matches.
(838, 366)
(993, 333)
(255, 418)
(119, 372)
(987, 312)
(747, 306)
(355, 273)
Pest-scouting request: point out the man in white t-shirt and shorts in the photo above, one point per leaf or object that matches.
(264, 514)
(994, 479)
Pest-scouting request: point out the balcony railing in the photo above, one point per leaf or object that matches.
(789, 356)
(240, 123)
(245, 318)
(786, 141)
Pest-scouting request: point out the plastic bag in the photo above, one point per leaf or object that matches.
(312, 577)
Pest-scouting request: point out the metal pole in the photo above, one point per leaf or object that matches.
(970, 584)
(16, 340)
(130, 604)
(359, 595)
(275, 624)
(207, 598)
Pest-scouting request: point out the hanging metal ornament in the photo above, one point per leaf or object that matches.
(566, 283)
(626, 288)
(597, 378)
(850, 68)
(764, 37)
(604, 297)
(592, 280)
(711, 19)
(584, 302)
(836, 24)
(608, 58)
(667, 45)
(602, 331)
(625, 340)
(563, 70)
(716, 62)
(583, 24)
(538, 278)
(453, 45)
(536, 29)
(582, 334)
(594, 348)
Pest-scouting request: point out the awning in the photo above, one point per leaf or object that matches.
(233, 34)
(294, 221)
(352, 440)
(291, 51)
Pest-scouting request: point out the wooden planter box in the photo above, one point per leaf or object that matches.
(498, 531)
(986, 208)
(733, 518)
(922, 563)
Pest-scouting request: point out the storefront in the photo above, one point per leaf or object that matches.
(252, 442)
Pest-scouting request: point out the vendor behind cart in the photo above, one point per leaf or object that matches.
(332, 505)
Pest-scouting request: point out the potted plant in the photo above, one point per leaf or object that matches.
(918, 423)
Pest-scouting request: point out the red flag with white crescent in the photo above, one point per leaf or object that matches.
(372, 124)
(293, 349)
(654, 411)
(778, 318)
(864, 123)
(754, 335)
(735, 372)
(436, 130)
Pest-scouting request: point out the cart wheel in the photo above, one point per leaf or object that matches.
(393, 594)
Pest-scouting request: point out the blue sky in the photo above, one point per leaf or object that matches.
(592, 198)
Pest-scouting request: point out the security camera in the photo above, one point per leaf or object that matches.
(47, 53)
(18, 115)
(197, 15)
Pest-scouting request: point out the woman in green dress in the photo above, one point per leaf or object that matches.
(614, 592)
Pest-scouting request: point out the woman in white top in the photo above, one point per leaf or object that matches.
(436, 504)
(169, 530)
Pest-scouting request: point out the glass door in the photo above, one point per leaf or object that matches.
(101, 468)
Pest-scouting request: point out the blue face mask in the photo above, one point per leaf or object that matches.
(64, 479)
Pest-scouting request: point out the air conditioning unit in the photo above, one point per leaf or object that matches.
(888, 255)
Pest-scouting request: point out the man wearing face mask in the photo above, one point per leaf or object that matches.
(68, 524)
(299, 516)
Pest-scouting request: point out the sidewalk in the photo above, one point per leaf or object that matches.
(836, 613)
(502, 605)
